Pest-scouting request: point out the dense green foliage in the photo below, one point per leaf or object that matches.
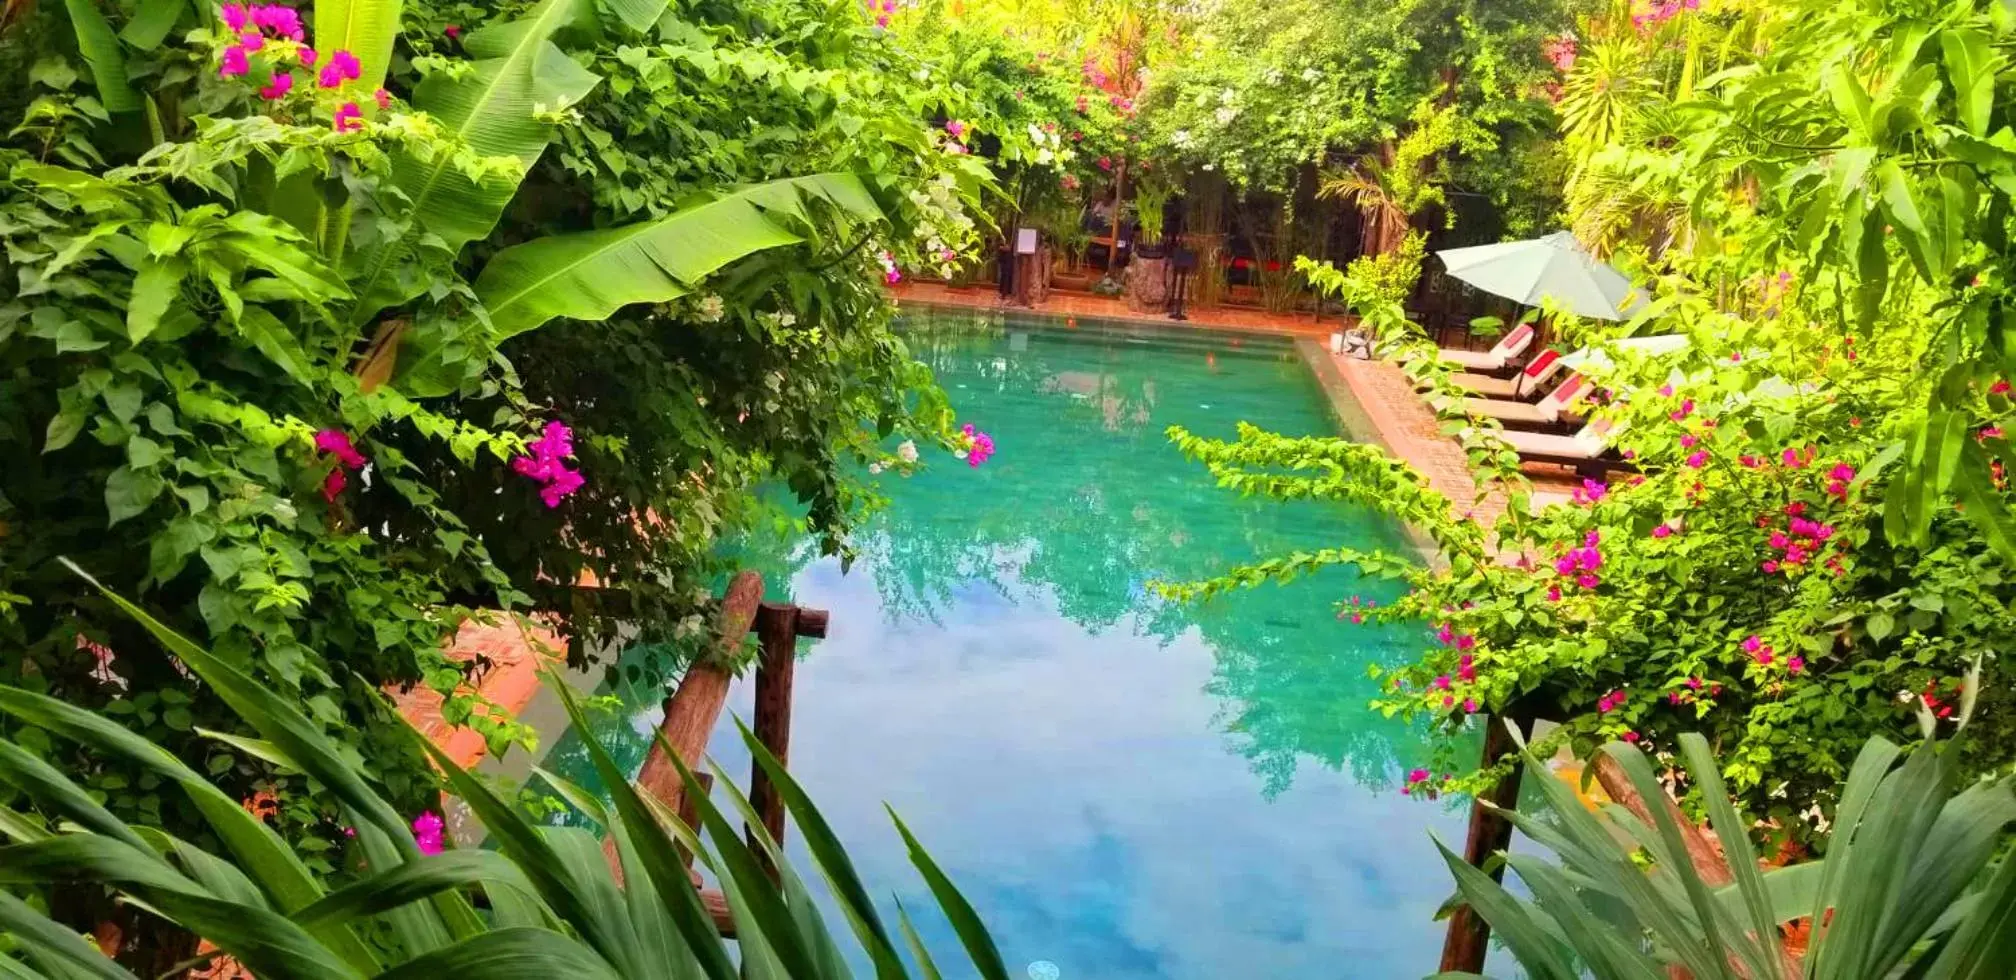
(555, 904)
(1911, 886)
(1818, 537)
(287, 368)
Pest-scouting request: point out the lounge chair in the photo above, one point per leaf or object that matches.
(1498, 358)
(1549, 411)
(1588, 450)
(1522, 387)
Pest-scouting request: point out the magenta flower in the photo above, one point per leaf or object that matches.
(342, 67)
(1466, 642)
(1665, 391)
(1445, 635)
(1752, 643)
(235, 16)
(1694, 683)
(957, 129)
(982, 446)
(1841, 471)
(278, 20)
(1795, 664)
(308, 57)
(1470, 705)
(1687, 441)
(251, 40)
(547, 467)
(2000, 387)
(1698, 459)
(1631, 737)
(348, 118)
(233, 63)
(1415, 778)
(427, 833)
(281, 84)
(882, 20)
(1553, 593)
(1661, 531)
(1442, 682)
(1588, 580)
(383, 98)
(337, 443)
(1769, 567)
(1791, 458)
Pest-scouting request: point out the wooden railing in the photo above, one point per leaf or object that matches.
(694, 709)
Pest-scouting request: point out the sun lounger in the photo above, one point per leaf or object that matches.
(1588, 450)
(1548, 411)
(1497, 358)
(1524, 386)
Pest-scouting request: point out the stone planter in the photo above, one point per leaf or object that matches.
(1147, 285)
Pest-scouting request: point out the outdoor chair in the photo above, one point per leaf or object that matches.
(1587, 450)
(1546, 413)
(1522, 387)
(1499, 358)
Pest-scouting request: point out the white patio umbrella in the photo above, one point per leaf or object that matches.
(1554, 267)
(1596, 358)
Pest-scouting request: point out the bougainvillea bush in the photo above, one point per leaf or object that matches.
(325, 329)
(1816, 536)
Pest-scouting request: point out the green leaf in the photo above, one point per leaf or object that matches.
(155, 286)
(489, 109)
(589, 275)
(365, 28)
(1983, 504)
(64, 428)
(966, 923)
(100, 49)
(411, 882)
(1971, 66)
(272, 339)
(1909, 223)
(509, 954)
(152, 22)
(129, 491)
(55, 943)
(1851, 98)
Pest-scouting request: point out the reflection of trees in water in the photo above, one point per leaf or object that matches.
(1291, 679)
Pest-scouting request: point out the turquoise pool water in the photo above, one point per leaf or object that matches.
(1125, 788)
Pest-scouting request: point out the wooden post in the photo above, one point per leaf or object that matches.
(778, 627)
(694, 707)
(1469, 935)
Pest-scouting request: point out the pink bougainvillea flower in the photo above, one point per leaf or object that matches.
(308, 57)
(1588, 580)
(1631, 737)
(1687, 441)
(1686, 409)
(1665, 391)
(1769, 567)
(233, 63)
(348, 118)
(235, 16)
(546, 465)
(383, 98)
(882, 20)
(1790, 457)
(1661, 531)
(1698, 459)
(982, 445)
(2000, 387)
(251, 40)
(1442, 682)
(1553, 593)
(956, 129)
(1694, 683)
(279, 20)
(1753, 643)
(342, 67)
(1415, 777)
(1470, 705)
(281, 84)
(337, 443)
(1445, 635)
(453, 31)
(1795, 664)
(427, 833)
(333, 484)
(1466, 642)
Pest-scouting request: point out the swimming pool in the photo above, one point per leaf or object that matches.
(1125, 788)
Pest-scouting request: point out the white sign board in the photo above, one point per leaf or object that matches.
(1025, 241)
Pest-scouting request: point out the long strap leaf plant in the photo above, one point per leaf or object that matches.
(543, 903)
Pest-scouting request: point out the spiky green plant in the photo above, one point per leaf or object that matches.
(555, 909)
(1909, 886)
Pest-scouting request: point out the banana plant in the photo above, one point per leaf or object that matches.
(550, 903)
(1909, 886)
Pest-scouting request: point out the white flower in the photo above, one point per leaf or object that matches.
(874, 468)
(1226, 114)
(907, 452)
(1273, 76)
(1180, 137)
(1311, 74)
(921, 74)
(786, 319)
(1226, 97)
(1210, 166)
(1044, 156)
(711, 309)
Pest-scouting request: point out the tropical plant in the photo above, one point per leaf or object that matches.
(1910, 884)
(555, 905)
